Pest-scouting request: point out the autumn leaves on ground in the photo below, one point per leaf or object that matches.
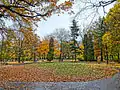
(55, 72)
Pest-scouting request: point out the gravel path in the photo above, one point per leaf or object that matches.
(105, 84)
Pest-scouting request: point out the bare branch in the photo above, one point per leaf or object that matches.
(89, 4)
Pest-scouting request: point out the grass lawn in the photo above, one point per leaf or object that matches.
(79, 71)
(55, 72)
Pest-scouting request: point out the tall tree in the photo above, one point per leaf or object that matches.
(90, 51)
(88, 46)
(107, 45)
(62, 36)
(74, 34)
(43, 48)
(99, 28)
(85, 46)
(50, 55)
(113, 23)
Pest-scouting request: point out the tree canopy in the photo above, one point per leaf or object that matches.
(31, 10)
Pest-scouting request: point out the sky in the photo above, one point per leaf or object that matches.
(54, 22)
(63, 21)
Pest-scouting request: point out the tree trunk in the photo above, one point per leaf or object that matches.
(118, 58)
(85, 47)
(85, 53)
(101, 54)
(75, 55)
(107, 58)
(19, 58)
(34, 57)
(112, 57)
(19, 52)
(20, 47)
(61, 52)
(107, 54)
(68, 56)
(2, 59)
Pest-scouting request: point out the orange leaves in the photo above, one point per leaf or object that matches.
(62, 6)
(43, 47)
(12, 15)
(68, 3)
(26, 30)
(52, 0)
(21, 30)
(53, 4)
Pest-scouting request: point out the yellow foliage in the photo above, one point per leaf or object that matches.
(107, 38)
(43, 48)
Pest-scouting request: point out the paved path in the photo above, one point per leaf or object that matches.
(105, 84)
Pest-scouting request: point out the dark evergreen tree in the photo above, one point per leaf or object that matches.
(85, 46)
(50, 55)
(88, 47)
(74, 34)
(96, 30)
(99, 30)
(90, 51)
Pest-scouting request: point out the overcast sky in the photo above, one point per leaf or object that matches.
(55, 21)
(46, 27)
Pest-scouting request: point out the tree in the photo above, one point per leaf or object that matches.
(30, 11)
(18, 44)
(50, 55)
(81, 56)
(66, 50)
(7, 45)
(74, 34)
(25, 14)
(90, 54)
(112, 21)
(85, 46)
(99, 28)
(62, 36)
(43, 48)
(27, 42)
(88, 46)
(56, 49)
(107, 45)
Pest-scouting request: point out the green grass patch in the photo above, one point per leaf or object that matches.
(78, 69)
